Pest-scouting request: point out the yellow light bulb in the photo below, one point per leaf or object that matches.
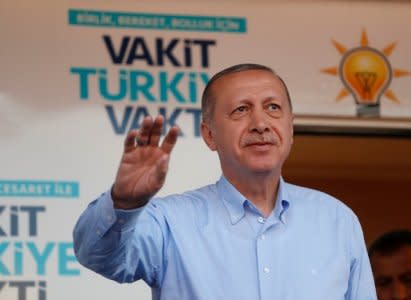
(366, 73)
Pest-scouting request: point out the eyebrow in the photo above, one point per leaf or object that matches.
(273, 98)
(406, 273)
(266, 99)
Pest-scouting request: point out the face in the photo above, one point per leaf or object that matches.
(392, 274)
(251, 127)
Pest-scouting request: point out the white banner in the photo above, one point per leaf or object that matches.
(77, 75)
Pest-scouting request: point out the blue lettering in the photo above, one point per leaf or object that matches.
(166, 52)
(40, 258)
(134, 85)
(20, 253)
(170, 121)
(66, 258)
(125, 122)
(3, 269)
(18, 258)
(192, 85)
(174, 51)
(42, 290)
(119, 129)
(103, 85)
(21, 287)
(116, 58)
(165, 86)
(145, 53)
(16, 215)
(204, 54)
(2, 232)
(141, 113)
(187, 53)
(14, 221)
(144, 87)
(83, 79)
(196, 119)
(32, 213)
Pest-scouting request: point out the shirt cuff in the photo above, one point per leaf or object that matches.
(117, 219)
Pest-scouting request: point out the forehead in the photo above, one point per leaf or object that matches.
(395, 263)
(247, 84)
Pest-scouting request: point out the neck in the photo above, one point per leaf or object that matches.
(261, 189)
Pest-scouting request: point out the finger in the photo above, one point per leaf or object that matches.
(161, 170)
(156, 131)
(145, 129)
(170, 140)
(130, 141)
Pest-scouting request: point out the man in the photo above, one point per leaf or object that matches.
(390, 257)
(249, 236)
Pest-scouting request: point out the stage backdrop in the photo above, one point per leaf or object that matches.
(77, 75)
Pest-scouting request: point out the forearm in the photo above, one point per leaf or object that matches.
(102, 236)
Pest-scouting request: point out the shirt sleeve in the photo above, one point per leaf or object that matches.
(361, 283)
(122, 245)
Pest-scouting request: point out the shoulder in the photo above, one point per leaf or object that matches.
(315, 201)
(189, 204)
(195, 196)
(324, 218)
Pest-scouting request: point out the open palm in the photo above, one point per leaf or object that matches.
(144, 163)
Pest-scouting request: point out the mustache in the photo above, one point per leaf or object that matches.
(265, 138)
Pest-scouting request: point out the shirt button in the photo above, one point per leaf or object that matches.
(262, 237)
(98, 232)
(266, 270)
(260, 220)
(109, 218)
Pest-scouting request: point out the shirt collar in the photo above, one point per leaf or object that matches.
(234, 200)
(282, 202)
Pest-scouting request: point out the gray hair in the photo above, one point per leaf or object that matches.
(208, 99)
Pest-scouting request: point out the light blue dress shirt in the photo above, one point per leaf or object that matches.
(213, 244)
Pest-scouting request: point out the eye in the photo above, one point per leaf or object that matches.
(273, 107)
(241, 109)
(383, 281)
(406, 278)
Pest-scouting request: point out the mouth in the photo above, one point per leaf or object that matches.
(260, 145)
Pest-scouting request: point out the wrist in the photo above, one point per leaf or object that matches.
(126, 203)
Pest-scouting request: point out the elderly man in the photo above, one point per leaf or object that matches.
(390, 257)
(250, 235)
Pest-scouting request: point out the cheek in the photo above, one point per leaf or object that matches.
(230, 139)
(285, 132)
(383, 293)
(289, 128)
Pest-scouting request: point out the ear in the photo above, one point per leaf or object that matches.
(208, 137)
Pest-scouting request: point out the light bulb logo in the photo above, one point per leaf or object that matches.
(366, 74)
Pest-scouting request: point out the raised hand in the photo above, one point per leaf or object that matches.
(144, 164)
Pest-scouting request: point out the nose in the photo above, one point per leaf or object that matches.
(258, 121)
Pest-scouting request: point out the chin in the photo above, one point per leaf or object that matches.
(264, 165)
(263, 168)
